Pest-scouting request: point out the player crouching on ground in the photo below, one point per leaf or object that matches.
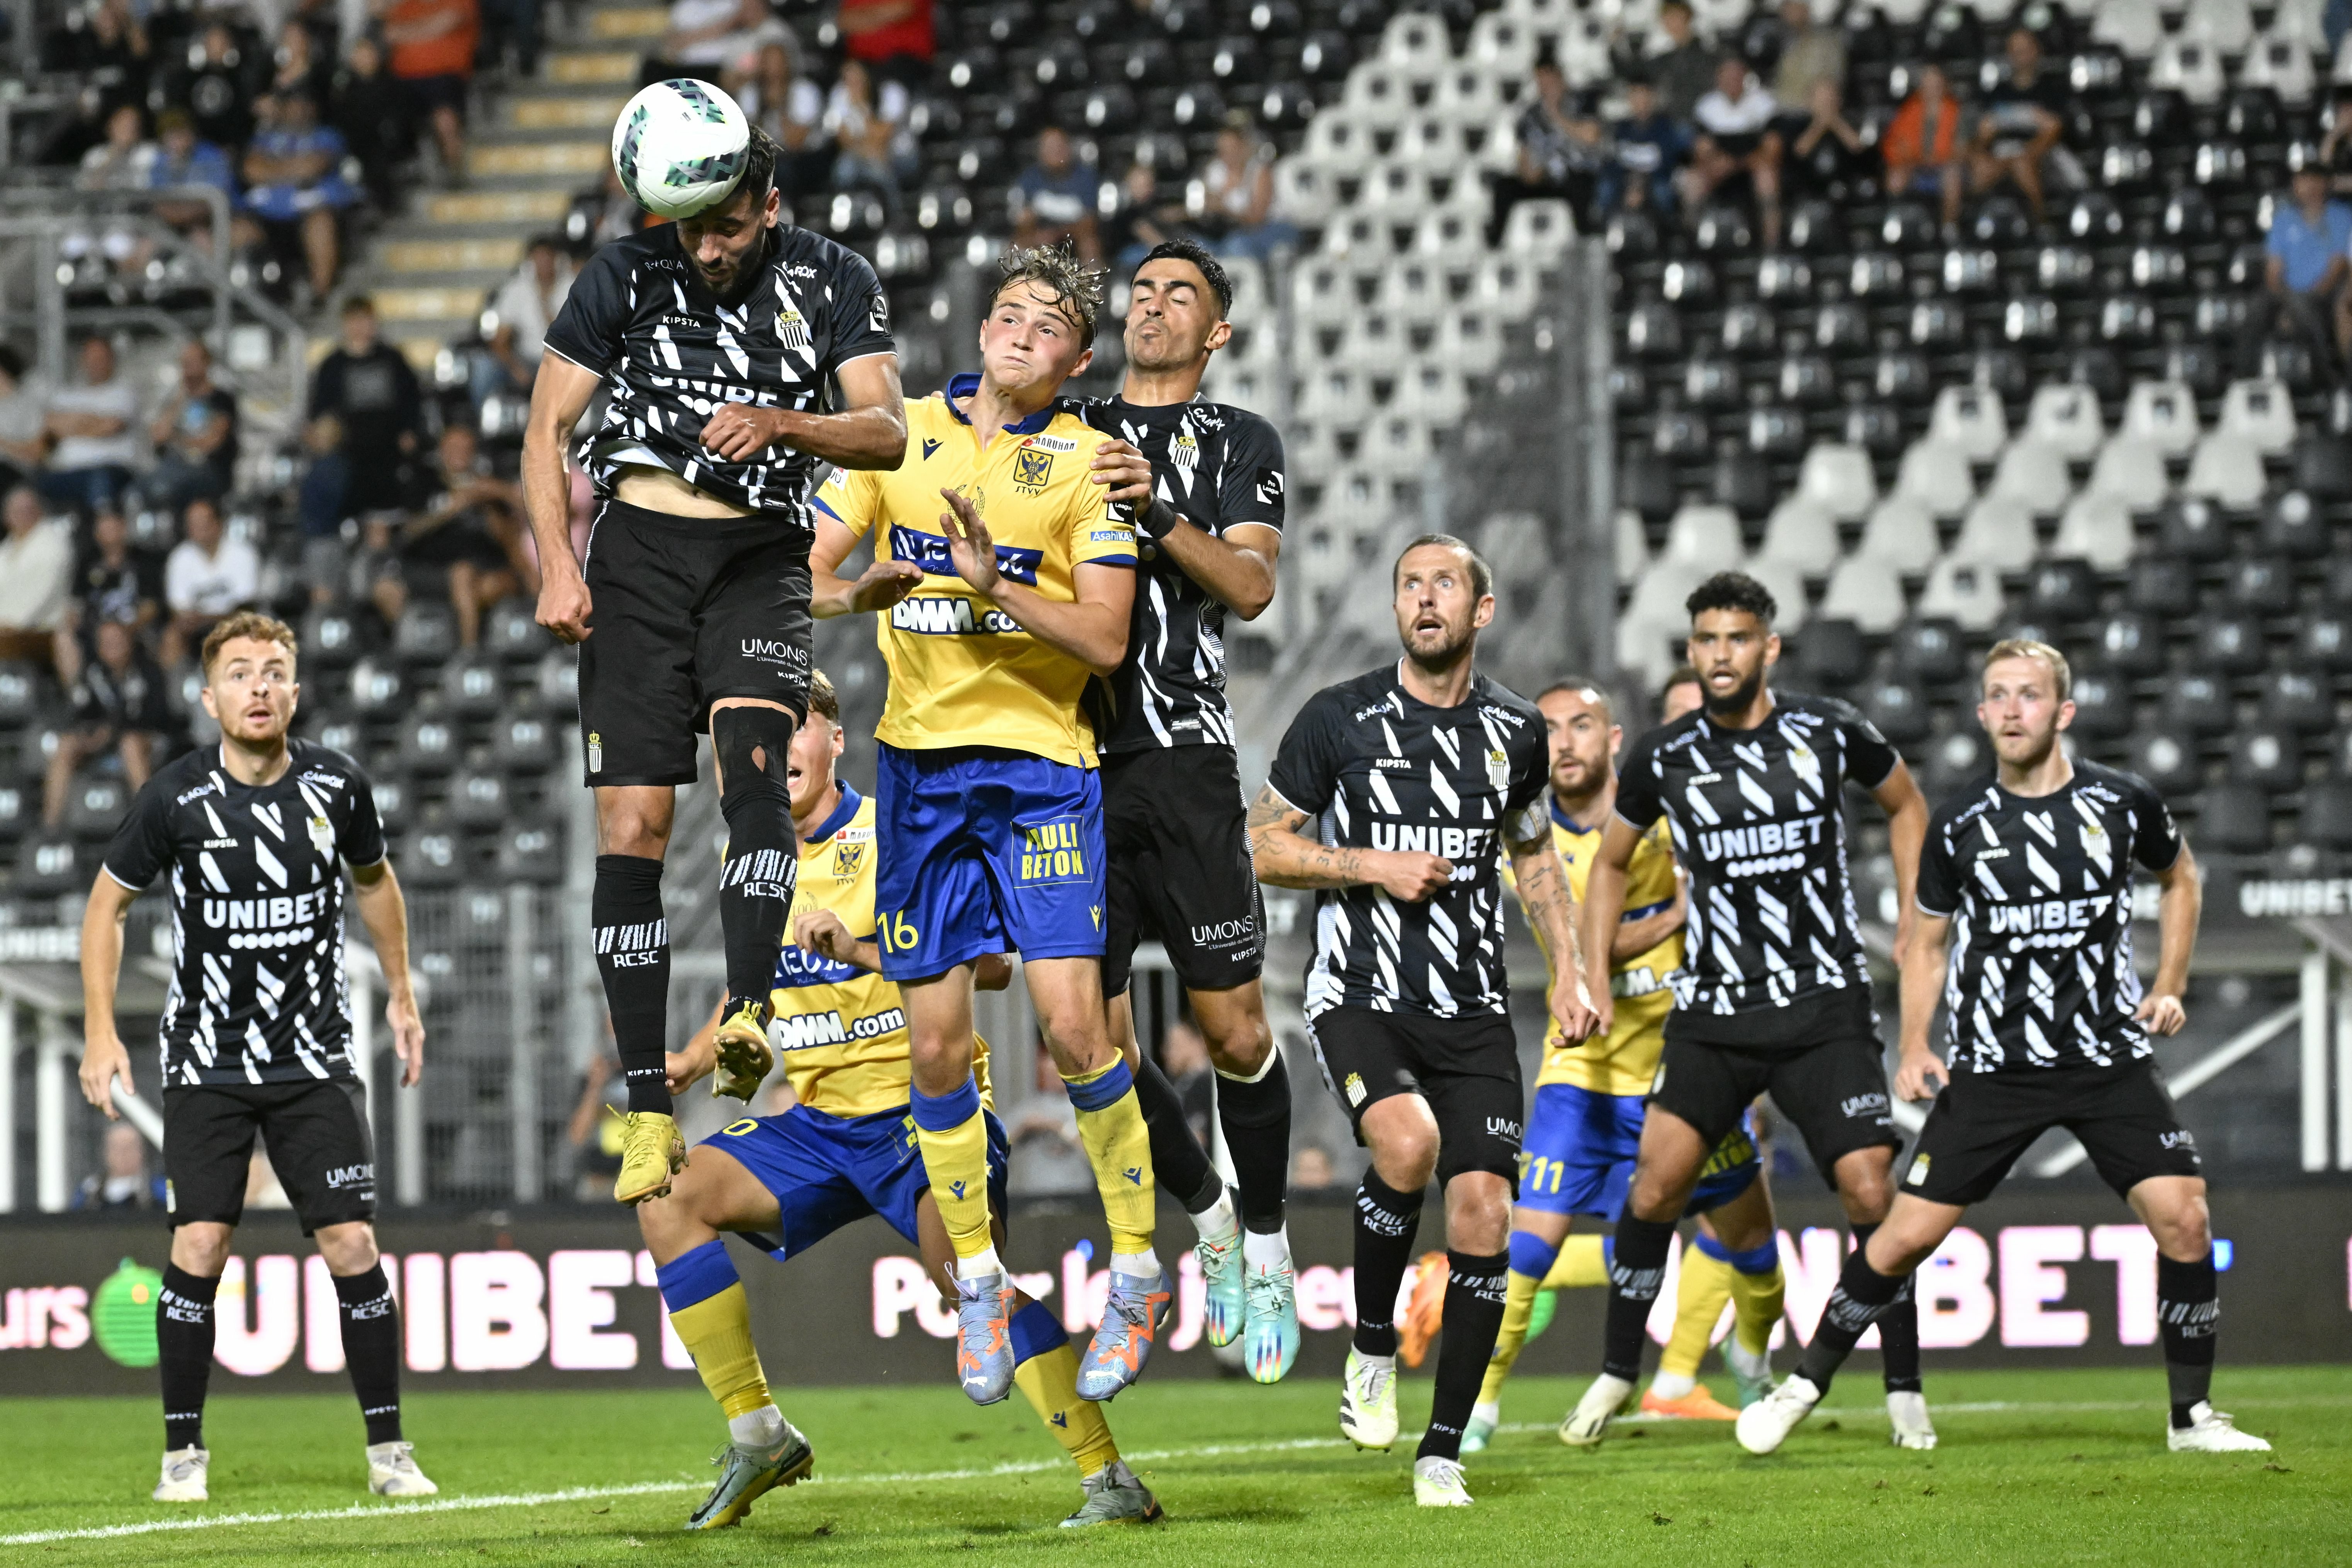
(846, 1150)
(2046, 1030)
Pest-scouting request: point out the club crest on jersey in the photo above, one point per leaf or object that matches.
(847, 859)
(322, 835)
(596, 751)
(1185, 451)
(1031, 470)
(1498, 769)
(791, 331)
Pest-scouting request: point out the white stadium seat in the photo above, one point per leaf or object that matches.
(1358, 236)
(2163, 414)
(1584, 57)
(1416, 40)
(1333, 395)
(2131, 470)
(1428, 390)
(1967, 591)
(1901, 532)
(1338, 142)
(1304, 192)
(1508, 286)
(1323, 293)
(1632, 546)
(1702, 535)
(1467, 94)
(1801, 533)
(1938, 476)
(2067, 417)
(2131, 25)
(2227, 25)
(2034, 476)
(1253, 295)
(1660, 594)
(1971, 419)
(1395, 192)
(1499, 153)
(2097, 528)
(2282, 64)
(1539, 230)
(1378, 95)
(1866, 591)
(1997, 534)
(2263, 411)
(1469, 341)
(1787, 587)
(2190, 67)
(2228, 469)
(1841, 479)
(1504, 44)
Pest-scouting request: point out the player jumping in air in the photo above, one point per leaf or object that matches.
(1774, 991)
(846, 1150)
(717, 339)
(1396, 796)
(255, 1037)
(1172, 807)
(1006, 577)
(1586, 1123)
(2024, 930)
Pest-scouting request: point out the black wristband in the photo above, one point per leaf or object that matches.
(1156, 517)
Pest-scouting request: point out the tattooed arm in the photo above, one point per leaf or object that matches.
(1285, 857)
(1551, 912)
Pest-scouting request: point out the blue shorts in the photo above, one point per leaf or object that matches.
(983, 851)
(831, 1170)
(1578, 1158)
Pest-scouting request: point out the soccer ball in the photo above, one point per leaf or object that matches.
(680, 146)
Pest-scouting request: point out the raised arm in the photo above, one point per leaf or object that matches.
(1284, 856)
(2181, 902)
(1090, 628)
(385, 915)
(558, 398)
(1907, 830)
(881, 585)
(871, 433)
(103, 1059)
(1544, 894)
(1604, 908)
(1919, 1071)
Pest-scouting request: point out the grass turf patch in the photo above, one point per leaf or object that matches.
(2043, 1467)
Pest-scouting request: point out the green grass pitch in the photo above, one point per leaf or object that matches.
(2035, 1468)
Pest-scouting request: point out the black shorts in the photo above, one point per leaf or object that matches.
(1834, 1092)
(1467, 1069)
(1981, 1122)
(316, 1133)
(1177, 842)
(686, 610)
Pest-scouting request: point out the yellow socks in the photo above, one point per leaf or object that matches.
(713, 1318)
(1757, 1292)
(1518, 1304)
(1582, 1263)
(954, 1139)
(1110, 1124)
(1699, 1299)
(1045, 1369)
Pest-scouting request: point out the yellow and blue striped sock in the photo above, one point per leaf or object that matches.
(1531, 1259)
(1045, 1369)
(1699, 1299)
(713, 1318)
(1582, 1263)
(954, 1139)
(1119, 1147)
(1758, 1292)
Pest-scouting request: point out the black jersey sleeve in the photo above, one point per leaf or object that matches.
(2156, 838)
(1938, 890)
(359, 835)
(1869, 759)
(861, 311)
(143, 845)
(1530, 755)
(1250, 488)
(1638, 802)
(1306, 770)
(587, 330)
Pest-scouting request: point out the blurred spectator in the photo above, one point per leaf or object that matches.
(296, 65)
(181, 159)
(111, 582)
(218, 85)
(1561, 153)
(1649, 146)
(23, 422)
(524, 305)
(1238, 188)
(790, 106)
(1185, 1058)
(1737, 141)
(1141, 220)
(716, 39)
(194, 435)
(35, 574)
(1311, 1172)
(2306, 245)
(609, 213)
(2017, 139)
(1046, 1157)
(1686, 71)
(1827, 156)
(1053, 198)
(206, 575)
(296, 190)
(593, 1135)
(95, 431)
(510, 31)
(124, 1184)
(1923, 144)
(1810, 55)
(2336, 146)
(118, 706)
(867, 120)
(319, 507)
(120, 162)
(368, 385)
(111, 55)
(432, 43)
(892, 39)
(465, 538)
(372, 110)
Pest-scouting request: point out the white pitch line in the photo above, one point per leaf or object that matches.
(978, 1473)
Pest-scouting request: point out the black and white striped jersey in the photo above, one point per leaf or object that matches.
(2039, 893)
(1383, 771)
(1758, 823)
(1219, 467)
(671, 353)
(257, 887)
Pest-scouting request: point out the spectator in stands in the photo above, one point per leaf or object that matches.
(297, 66)
(120, 162)
(1046, 1157)
(181, 159)
(35, 575)
(2018, 134)
(1184, 1059)
(892, 39)
(432, 43)
(372, 110)
(1311, 1172)
(1053, 198)
(2306, 245)
(465, 537)
(1923, 144)
(319, 507)
(872, 148)
(118, 706)
(24, 423)
(716, 41)
(1238, 190)
(1647, 149)
(1810, 55)
(1737, 142)
(194, 435)
(112, 582)
(524, 305)
(1143, 219)
(218, 85)
(296, 191)
(206, 575)
(510, 29)
(1827, 156)
(125, 1182)
(110, 55)
(1562, 154)
(595, 1137)
(369, 387)
(94, 426)
(1686, 71)
(790, 106)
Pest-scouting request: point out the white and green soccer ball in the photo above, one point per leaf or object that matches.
(680, 146)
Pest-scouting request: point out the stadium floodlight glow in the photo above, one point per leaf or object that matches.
(680, 146)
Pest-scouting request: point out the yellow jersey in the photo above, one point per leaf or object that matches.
(961, 672)
(1626, 1060)
(841, 1031)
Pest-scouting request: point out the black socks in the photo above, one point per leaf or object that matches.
(1178, 1164)
(2187, 1313)
(633, 959)
(1256, 1117)
(1899, 1330)
(1861, 1297)
(183, 1345)
(1474, 1316)
(1637, 1267)
(755, 885)
(372, 1349)
(1385, 1221)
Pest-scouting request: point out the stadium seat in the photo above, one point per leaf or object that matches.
(2162, 414)
(2261, 586)
(2132, 643)
(1632, 547)
(472, 686)
(1830, 656)
(2193, 528)
(2231, 642)
(1954, 760)
(1866, 591)
(1938, 477)
(2294, 528)
(2134, 26)
(2268, 757)
(2198, 701)
(331, 638)
(94, 806)
(1645, 482)
(1900, 532)
(1967, 591)
(2162, 586)
(2167, 759)
(2263, 413)
(1415, 42)
(2322, 466)
(1898, 707)
(2326, 817)
(2131, 470)
(2227, 25)
(2323, 641)
(2102, 704)
(20, 694)
(2191, 67)
(1969, 420)
(19, 810)
(2232, 819)
(2229, 470)
(395, 801)
(376, 689)
(1997, 534)
(512, 634)
(2063, 590)
(2298, 699)
(434, 857)
(477, 795)
(1930, 649)
(1840, 479)
(2098, 527)
(1801, 533)
(426, 634)
(1540, 231)
(531, 851)
(2283, 65)
(50, 863)
(2034, 476)
(430, 740)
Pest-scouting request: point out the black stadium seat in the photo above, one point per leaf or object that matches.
(2167, 759)
(2267, 756)
(2327, 818)
(2198, 701)
(2102, 704)
(2161, 585)
(1898, 707)
(2231, 642)
(2296, 699)
(2234, 819)
(2132, 643)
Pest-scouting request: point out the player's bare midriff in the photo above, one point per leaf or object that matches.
(658, 490)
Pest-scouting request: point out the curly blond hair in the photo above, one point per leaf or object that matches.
(1076, 288)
